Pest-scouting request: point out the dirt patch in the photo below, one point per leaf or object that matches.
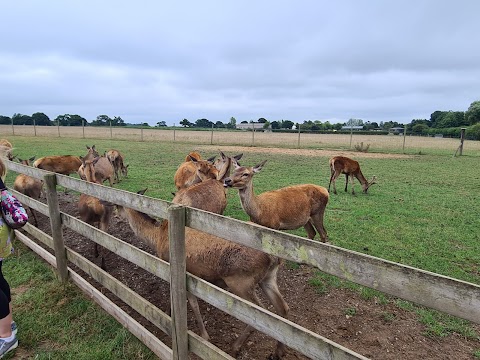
(306, 152)
(377, 331)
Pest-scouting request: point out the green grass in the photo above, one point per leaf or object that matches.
(59, 322)
(423, 212)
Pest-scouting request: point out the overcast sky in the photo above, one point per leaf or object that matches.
(151, 61)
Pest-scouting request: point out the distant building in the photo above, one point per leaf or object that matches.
(396, 130)
(349, 127)
(249, 126)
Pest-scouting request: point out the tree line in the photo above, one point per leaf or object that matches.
(445, 122)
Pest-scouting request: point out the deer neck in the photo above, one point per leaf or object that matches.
(249, 201)
(362, 180)
(154, 236)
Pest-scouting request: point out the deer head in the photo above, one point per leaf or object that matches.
(367, 185)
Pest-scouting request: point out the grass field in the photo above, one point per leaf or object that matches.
(423, 212)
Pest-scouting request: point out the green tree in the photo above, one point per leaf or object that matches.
(62, 120)
(266, 125)
(102, 120)
(219, 125)
(262, 120)
(185, 123)
(474, 131)
(161, 124)
(118, 121)
(232, 123)
(420, 129)
(354, 122)
(450, 119)
(41, 119)
(203, 123)
(436, 117)
(472, 115)
(275, 125)
(5, 120)
(287, 124)
(19, 119)
(77, 120)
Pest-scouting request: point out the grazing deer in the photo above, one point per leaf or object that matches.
(209, 194)
(103, 170)
(351, 168)
(218, 261)
(28, 186)
(8, 148)
(116, 159)
(91, 209)
(186, 174)
(287, 208)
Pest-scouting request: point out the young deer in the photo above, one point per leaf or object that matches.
(351, 168)
(28, 186)
(103, 170)
(116, 159)
(186, 174)
(218, 261)
(208, 195)
(91, 209)
(287, 208)
(61, 164)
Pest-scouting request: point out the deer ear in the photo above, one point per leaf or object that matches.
(142, 192)
(259, 167)
(193, 159)
(32, 158)
(211, 160)
(235, 163)
(238, 157)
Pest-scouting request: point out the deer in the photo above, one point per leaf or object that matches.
(186, 174)
(8, 148)
(116, 159)
(209, 194)
(211, 258)
(28, 186)
(103, 170)
(286, 208)
(92, 210)
(61, 164)
(351, 168)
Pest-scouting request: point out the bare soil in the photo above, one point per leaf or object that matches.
(377, 331)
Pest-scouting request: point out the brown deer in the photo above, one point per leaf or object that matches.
(61, 164)
(92, 153)
(287, 208)
(116, 159)
(351, 169)
(91, 209)
(218, 261)
(186, 174)
(8, 148)
(208, 195)
(103, 170)
(28, 186)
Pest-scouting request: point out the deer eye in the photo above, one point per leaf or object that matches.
(244, 174)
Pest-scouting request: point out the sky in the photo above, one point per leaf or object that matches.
(151, 61)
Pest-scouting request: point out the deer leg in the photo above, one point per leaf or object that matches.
(310, 230)
(270, 288)
(352, 178)
(317, 221)
(333, 178)
(192, 300)
(346, 182)
(34, 217)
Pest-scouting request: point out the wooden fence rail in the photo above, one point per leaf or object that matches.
(446, 294)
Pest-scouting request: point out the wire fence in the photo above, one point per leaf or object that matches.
(357, 142)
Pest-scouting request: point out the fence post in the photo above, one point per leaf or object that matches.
(111, 133)
(58, 127)
(13, 128)
(83, 128)
(141, 134)
(173, 132)
(462, 138)
(404, 136)
(178, 281)
(298, 143)
(253, 134)
(211, 136)
(351, 135)
(34, 128)
(56, 225)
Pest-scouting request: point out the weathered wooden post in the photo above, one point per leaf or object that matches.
(56, 225)
(298, 142)
(178, 281)
(211, 136)
(13, 128)
(173, 132)
(404, 136)
(253, 134)
(141, 134)
(34, 128)
(462, 138)
(58, 127)
(83, 128)
(111, 132)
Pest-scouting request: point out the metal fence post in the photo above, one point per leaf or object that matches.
(178, 281)
(56, 225)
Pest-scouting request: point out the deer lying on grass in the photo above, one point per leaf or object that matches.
(351, 168)
(287, 208)
(186, 174)
(208, 195)
(218, 261)
(8, 148)
(61, 164)
(28, 186)
(103, 170)
(116, 159)
(92, 210)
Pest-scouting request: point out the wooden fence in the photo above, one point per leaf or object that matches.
(439, 292)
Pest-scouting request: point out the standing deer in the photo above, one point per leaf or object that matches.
(103, 170)
(186, 174)
(351, 168)
(287, 208)
(218, 261)
(91, 209)
(208, 195)
(116, 159)
(8, 148)
(28, 186)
